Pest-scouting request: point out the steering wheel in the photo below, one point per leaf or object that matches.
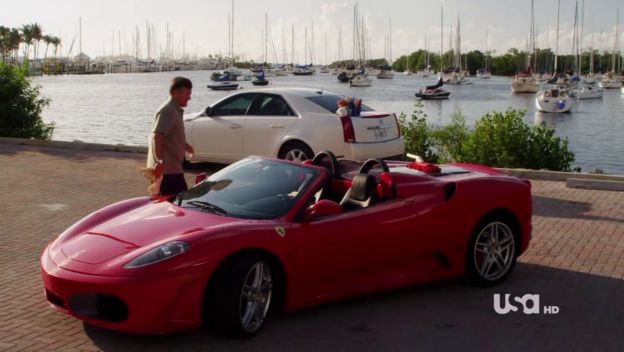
(368, 165)
(332, 158)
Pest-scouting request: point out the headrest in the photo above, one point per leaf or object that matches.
(386, 187)
(363, 187)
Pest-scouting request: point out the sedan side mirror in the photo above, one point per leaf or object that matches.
(321, 208)
(208, 111)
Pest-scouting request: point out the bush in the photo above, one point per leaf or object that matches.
(499, 139)
(20, 105)
(417, 135)
(449, 140)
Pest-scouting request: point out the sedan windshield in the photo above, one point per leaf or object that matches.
(252, 188)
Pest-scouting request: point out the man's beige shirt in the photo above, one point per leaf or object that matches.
(169, 122)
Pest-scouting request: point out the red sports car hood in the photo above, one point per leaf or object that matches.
(133, 229)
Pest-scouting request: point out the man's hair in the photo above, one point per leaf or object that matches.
(180, 82)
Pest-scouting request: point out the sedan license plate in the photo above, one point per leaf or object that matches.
(381, 133)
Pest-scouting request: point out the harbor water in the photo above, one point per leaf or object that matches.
(119, 108)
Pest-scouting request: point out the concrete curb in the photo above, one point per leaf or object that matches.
(75, 145)
(616, 186)
(580, 180)
(559, 175)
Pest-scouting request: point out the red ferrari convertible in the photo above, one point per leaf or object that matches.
(264, 234)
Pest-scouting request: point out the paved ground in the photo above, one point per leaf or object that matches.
(576, 262)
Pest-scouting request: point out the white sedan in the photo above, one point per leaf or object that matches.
(289, 123)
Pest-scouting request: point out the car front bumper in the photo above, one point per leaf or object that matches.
(150, 305)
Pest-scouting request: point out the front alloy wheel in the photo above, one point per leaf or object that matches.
(255, 297)
(239, 297)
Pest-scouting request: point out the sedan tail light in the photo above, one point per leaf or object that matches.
(347, 129)
(398, 125)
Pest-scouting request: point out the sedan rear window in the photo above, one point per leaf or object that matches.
(329, 102)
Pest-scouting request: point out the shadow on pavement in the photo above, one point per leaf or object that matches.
(442, 316)
(562, 208)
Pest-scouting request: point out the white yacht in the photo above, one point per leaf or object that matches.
(554, 100)
(360, 81)
(524, 83)
(588, 91)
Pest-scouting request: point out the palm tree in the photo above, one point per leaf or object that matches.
(56, 41)
(37, 35)
(4, 41)
(47, 39)
(27, 38)
(15, 39)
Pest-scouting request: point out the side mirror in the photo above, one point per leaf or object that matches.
(322, 208)
(207, 111)
(200, 177)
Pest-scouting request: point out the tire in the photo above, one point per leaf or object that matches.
(492, 251)
(240, 297)
(296, 151)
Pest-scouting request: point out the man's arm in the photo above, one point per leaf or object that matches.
(159, 142)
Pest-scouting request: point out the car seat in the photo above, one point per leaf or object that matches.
(363, 192)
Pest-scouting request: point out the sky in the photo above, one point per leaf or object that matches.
(200, 27)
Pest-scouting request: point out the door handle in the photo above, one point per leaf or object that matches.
(235, 126)
(277, 125)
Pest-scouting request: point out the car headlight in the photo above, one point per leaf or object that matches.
(163, 252)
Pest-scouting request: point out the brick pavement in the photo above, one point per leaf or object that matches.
(575, 261)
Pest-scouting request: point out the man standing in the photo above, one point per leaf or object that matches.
(168, 142)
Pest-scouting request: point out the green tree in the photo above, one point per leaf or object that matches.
(21, 105)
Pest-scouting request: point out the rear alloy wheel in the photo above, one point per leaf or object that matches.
(492, 253)
(296, 151)
(241, 297)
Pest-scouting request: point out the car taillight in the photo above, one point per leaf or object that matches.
(347, 129)
(398, 125)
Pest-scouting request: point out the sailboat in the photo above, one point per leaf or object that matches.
(484, 73)
(613, 80)
(526, 82)
(456, 76)
(584, 89)
(554, 99)
(426, 72)
(359, 78)
(435, 92)
(386, 70)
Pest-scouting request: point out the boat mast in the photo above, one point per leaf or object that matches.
(486, 50)
(441, 36)
(532, 37)
(232, 37)
(80, 35)
(591, 55)
(575, 40)
(615, 44)
(557, 38)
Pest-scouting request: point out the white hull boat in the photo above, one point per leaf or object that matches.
(360, 81)
(588, 91)
(385, 75)
(456, 79)
(554, 100)
(525, 84)
(611, 83)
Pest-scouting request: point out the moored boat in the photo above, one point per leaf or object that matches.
(554, 100)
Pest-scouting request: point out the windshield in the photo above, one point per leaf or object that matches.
(252, 188)
(329, 102)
